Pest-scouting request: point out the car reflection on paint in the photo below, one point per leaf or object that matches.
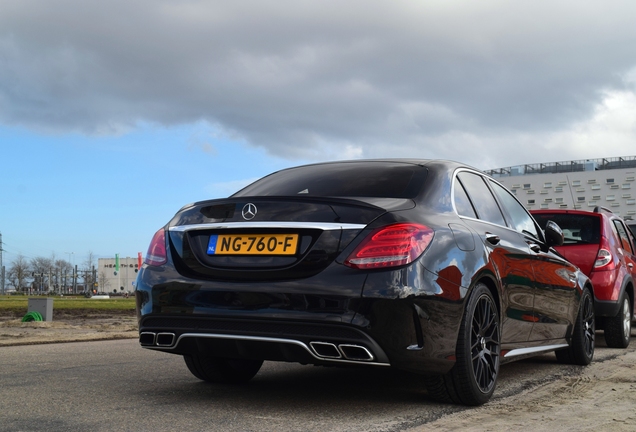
(426, 266)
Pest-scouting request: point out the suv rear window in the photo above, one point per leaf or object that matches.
(376, 180)
(577, 229)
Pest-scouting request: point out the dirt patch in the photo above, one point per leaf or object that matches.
(68, 326)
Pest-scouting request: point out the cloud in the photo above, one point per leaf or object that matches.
(486, 82)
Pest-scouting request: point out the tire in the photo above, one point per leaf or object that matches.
(581, 350)
(473, 378)
(618, 329)
(221, 370)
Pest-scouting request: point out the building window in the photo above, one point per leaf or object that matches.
(627, 196)
(596, 197)
(627, 186)
(591, 181)
(544, 192)
(558, 200)
(630, 178)
(630, 201)
(615, 204)
(614, 186)
(544, 206)
(563, 206)
(516, 186)
(596, 186)
(558, 189)
(548, 200)
(609, 181)
(610, 198)
(563, 182)
(530, 202)
(580, 199)
(576, 183)
(547, 185)
(580, 190)
(591, 203)
(527, 185)
(530, 191)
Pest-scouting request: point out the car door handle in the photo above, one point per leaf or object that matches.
(492, 238)
(534, 247)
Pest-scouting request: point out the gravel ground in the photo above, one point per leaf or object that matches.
(67, 327)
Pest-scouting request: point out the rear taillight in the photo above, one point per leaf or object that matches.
(157, 250)
(604, 257)
(391, 246)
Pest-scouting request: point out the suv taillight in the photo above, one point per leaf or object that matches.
(157, 250)
(604, 256)
(391, 246)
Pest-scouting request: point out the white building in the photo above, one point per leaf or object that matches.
(579, 184)
(123, 281)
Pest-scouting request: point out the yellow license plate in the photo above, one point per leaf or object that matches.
(253, 244)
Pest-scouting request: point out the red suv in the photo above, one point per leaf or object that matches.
(602, 246)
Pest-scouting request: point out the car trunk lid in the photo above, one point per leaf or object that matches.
(266, 238)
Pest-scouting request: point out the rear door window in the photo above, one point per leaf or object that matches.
(519, 217)
(621, 231)
(482, 199)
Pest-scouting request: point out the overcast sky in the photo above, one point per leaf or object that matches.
(246, 87)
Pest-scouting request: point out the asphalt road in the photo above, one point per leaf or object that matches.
(118, 386)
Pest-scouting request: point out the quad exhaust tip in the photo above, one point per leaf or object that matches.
(325, 350)
(156, 339)
(351, 352)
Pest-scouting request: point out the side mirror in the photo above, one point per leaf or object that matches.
(553, 234)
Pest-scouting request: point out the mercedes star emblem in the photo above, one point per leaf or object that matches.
(249, 211)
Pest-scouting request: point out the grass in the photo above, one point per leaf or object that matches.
(20, 304)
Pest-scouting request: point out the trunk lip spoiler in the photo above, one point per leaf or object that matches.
(324, 226)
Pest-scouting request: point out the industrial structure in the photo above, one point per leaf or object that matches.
(578, 184)
(118, 274)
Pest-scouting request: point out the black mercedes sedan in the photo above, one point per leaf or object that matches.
(427, 266)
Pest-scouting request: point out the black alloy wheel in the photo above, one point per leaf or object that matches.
(581, 350)
(618, 329)
(473, 379)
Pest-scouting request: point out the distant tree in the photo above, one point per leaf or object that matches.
(19, 273)
(42, 269)
(87, 273)
(62, 274)
(104, 282)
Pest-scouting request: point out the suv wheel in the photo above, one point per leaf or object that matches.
(618, 329)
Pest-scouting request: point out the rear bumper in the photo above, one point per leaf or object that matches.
(606, 308)
(308, 323)
(606, 288)
(262, 339)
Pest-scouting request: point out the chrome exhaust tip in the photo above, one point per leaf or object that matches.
(355, 352)
(147, 338)
(165, 339)
(326, 350)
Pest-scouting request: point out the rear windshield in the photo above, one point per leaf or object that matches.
(368, 179)
(577, 229)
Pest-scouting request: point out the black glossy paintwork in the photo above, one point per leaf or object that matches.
(410, 314)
